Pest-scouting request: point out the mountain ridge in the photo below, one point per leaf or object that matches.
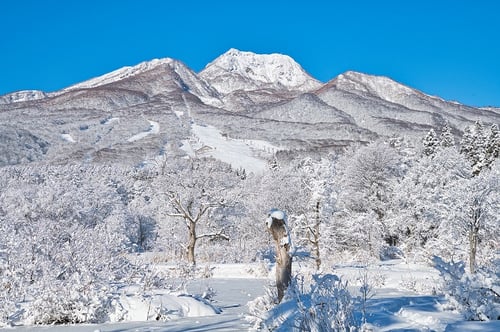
(243, 96)
(305, 83)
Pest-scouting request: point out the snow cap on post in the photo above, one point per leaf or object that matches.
(275, 214)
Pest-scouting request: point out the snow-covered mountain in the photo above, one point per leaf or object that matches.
(387, 107)
(238, 70)
(154, 77)
(121, 74)
(241, 96)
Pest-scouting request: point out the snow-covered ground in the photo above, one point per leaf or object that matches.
(154, 128)
(403, 298)
(68, 138)
(237, 153)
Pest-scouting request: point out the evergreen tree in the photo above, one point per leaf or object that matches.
(447, 139)
(473, 146)
(431, 143)
(467, 142)
(492, 146)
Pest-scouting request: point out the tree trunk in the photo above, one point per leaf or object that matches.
(474, 227)
(280, 234)
(316, 237)
(473, 237)
(283, 271)
(191, 243)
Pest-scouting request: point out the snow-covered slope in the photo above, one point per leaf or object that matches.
(20, 96)
(143, 77)
(306, 108)
(379, 86)
(120, 74)
(390, 108)
(238, 70)
(388, 90)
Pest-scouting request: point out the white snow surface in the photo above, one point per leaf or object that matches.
(237, 153)
(153, 129)
(280, 215)
(145, 309)
(276, 214)
(241, 70)
(402, 299)
(111, 120)
(23, 95)
(68, 138)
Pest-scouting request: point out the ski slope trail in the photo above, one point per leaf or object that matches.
(154, 128)
(240, 154)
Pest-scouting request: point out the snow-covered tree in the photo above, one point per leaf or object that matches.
(63, 242)
(446, 138)
(309, 227)
(492, 146)
(430, 143)
(474, 222)
(473, 146)
(364, 183)
(419, 204)
(196, 192)
(141, 231)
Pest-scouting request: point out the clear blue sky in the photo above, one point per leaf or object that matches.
(445, 48)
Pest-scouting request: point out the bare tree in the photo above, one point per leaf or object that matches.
(192, 215)
(276, 224)
(198, 190)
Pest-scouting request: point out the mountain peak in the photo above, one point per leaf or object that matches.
(122, 73)
(241, 70)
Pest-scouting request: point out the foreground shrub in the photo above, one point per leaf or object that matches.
(324, 305)
(476, 296)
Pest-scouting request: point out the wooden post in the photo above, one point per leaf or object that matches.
(276, 224)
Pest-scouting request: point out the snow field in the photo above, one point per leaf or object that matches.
(394, 304)
(153, 129)
(235, 152)
(161, 306)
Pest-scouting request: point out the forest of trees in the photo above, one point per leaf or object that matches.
(67, 231)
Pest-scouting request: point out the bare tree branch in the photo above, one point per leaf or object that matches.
(220, 234)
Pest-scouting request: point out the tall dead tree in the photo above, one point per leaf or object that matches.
(276, 224)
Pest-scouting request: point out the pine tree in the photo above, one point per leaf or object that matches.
(447, 139)
(473, 146)
(467, 142)
(492, 148)
(430, 143)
